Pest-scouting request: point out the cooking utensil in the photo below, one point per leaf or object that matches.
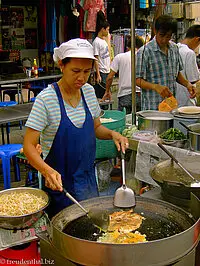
(26, 220)
(174, 182)
(195, 182)
(75, 238)
(154, 120)
(99, 218)
(124, 196)
(182, 124)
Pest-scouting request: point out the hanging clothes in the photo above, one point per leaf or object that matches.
(43, 24)
(51, 29)
(92, 6)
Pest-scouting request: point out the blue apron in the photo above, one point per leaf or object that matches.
(72, 154)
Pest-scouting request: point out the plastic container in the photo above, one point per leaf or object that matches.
(144, 135)
(107, 148)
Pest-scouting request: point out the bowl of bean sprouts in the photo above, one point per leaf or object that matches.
(21, 207)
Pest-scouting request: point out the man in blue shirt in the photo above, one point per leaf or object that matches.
(159, 65)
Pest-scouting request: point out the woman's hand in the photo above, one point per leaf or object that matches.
(120, 141)
(52, 179)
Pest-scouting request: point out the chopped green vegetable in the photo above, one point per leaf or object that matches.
(173, 134)
(128, 132)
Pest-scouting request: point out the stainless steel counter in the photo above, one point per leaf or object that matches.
(21, 78)
(11, 114)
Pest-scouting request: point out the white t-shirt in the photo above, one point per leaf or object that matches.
(190, 72)
(122, 63)
(101, 49)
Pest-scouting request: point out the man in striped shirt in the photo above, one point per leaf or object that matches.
(159, 65)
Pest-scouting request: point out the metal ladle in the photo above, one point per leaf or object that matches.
(100, 218)
(195, 183)
(182, 124)
(124, 197)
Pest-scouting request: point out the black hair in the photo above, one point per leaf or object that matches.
(138, 41)
(165, 23)
(66, 60)
(193, 31)
(101, 22)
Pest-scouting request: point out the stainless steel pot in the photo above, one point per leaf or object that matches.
(194, 136)
(154, 120)
(153, 253)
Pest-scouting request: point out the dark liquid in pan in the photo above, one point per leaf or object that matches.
(154, 227)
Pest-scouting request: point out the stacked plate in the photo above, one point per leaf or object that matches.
(187, 112)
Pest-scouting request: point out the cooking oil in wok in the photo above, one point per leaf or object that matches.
(154, 226)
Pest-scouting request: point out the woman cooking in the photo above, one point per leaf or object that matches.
(65, 118)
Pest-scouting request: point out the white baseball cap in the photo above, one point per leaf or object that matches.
(77, 48)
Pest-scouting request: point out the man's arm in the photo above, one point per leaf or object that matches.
(162, 90)
(109, 80)
(191, 89)
(96, 64)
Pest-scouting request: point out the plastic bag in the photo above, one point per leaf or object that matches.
(168, 104)
(131, 181)
(103, 170)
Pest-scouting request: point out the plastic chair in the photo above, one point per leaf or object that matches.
(11, 90)
(7, 151)
(32, 99)
(36, 88)
(8, 103)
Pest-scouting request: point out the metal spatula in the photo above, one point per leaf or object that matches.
(99, 217)
(195, 182)
(124, 196)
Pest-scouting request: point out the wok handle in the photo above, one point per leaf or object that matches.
(182, 124)
(168, 153)
(74, 200)
(123, 169)
(176, 161)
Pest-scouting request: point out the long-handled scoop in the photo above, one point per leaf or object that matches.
(195, 182)
(182, 124)
(124, 196)
(99, 217)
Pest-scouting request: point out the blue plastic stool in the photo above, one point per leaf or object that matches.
(7, 151)
(32, 99)
(7, 103)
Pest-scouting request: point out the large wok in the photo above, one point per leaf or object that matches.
(174, 181)
(172, 234)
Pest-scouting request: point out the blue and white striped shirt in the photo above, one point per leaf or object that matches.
(45, 114)
(156, 67)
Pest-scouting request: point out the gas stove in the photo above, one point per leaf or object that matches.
(10, 238)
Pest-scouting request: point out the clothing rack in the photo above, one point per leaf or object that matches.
(120, 30)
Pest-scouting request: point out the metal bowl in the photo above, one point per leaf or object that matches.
(27, 220)
(182, 143)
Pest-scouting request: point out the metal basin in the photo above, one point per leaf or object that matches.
(27, 220)
(154, 120)
(194, 136)
(157, 252)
